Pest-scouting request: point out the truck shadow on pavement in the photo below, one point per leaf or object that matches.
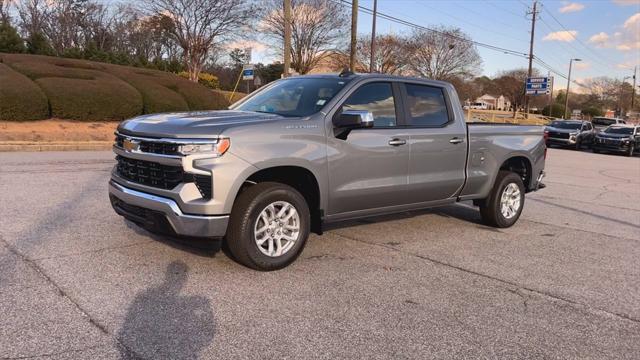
(196, 246)
(161, 323)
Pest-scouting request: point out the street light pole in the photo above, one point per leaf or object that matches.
(566, 97)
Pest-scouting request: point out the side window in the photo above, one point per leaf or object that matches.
(427, 105)
(376, 98)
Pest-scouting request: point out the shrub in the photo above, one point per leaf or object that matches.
(78, 89)
(204, 78)
(86, 90)
(20, 98)
(557, 110)
(592, 111)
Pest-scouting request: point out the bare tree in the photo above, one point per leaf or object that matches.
(511, 84)
(5, 11)
(317, 29)
(390, 56)
(198, 24)
(443, 54)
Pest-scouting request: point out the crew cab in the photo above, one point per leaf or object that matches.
(618, 138)
(570, 133)
(306, 151)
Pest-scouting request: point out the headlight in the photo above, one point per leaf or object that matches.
(214, 149)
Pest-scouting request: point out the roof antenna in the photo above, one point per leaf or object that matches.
(346, 72)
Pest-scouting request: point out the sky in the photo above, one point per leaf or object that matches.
(605, 34)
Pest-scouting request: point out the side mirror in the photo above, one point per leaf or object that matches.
(354, 119)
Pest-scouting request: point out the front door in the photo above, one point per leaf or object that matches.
(438, 144)
(368, 170)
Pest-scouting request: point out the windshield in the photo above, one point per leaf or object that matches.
(603, 121)
(619, 130)
(294, 97)
(566, 125)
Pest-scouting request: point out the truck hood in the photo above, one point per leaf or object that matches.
(613, 136)
(563, 131)
(195, 124)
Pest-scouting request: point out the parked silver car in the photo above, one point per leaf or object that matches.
(306, 151)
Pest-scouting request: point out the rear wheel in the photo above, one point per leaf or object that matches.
(505, 202)
(269, 226)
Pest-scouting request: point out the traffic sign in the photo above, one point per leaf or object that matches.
(247, 72)
(538, 86)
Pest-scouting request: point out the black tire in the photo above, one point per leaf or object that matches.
(490, 207)
(246, 210)
(578, 144)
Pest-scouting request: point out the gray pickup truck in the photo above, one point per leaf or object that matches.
(306, 151)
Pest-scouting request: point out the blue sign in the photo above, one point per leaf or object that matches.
(538, 86)
(247, 72)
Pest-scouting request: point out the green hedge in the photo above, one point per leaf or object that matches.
(20, 98)
(86, 90)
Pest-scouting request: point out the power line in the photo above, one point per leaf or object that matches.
(410, 24)
(597, 56)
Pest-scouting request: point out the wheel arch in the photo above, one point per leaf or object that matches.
(300, 178)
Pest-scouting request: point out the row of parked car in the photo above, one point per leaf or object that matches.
(600, 135)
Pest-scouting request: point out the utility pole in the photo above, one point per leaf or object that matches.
(534, 14)
(566, 96)
(633, 90)
(287, 37)
(550, 102)
(354, 35)
(373, 37)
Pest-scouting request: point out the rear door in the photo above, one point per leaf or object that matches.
(438, 144)
(368, 170)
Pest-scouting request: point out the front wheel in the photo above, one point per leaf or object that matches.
(269, 226)
(503, 206)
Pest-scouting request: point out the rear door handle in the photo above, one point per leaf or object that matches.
(397, 142)
(456, 140)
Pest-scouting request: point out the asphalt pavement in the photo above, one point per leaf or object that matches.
(79, 282)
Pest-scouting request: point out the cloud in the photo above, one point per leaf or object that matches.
(571, 7)
(581, 65)
(627, 39)
(564, 36)
(600, 40)
(634, 20)
(626, 2)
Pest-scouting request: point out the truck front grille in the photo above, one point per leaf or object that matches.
(149, 173)
(149, 146)
(161, 176)
(558, 135)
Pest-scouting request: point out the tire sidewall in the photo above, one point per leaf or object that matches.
(256, 206)
(508, 179)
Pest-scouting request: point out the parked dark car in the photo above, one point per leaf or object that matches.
(601, 123)
(570, 133)
(618, 138)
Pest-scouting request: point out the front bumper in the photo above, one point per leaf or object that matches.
(616, 147)
(560, 141)
(164, 215)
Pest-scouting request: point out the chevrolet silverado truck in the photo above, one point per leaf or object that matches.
(571, 133)
(306, 151)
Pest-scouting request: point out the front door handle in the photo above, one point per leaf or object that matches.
(456, 140)
(397, 142)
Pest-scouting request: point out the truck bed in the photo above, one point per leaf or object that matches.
(488, 143)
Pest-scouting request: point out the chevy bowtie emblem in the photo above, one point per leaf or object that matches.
(130, 145)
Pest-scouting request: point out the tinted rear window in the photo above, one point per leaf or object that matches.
(427, 106)
(601, 121)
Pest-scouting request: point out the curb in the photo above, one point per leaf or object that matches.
(55, 146)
